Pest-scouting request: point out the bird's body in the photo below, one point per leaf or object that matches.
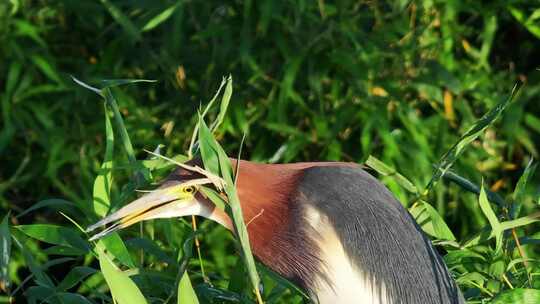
(345, 237)
(334, 230)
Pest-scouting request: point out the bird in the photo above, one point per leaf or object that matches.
(330, 227)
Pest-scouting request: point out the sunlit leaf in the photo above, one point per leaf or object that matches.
(123, 290)
(186, 294)
(431, 221)
(385, 170)
(470, 135)
(492, 218)
(103, 182)
(161, 17)
(213, 156)
(116, 247)
(518, 295)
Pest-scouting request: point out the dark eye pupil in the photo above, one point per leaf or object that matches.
(189, 189)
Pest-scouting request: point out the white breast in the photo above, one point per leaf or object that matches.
(347, 284)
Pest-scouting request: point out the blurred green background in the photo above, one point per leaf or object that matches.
(313, 80)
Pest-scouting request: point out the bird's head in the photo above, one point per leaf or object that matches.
(178, 195)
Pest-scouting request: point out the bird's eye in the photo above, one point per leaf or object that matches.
(189, 189)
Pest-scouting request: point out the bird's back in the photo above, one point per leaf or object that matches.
(389, 258)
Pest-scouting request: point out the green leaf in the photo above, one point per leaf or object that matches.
(128, 26)
(47, 203)
(5, 252)
(72, 298)
(40, 276)
(519, 192)
(518, 295)
(57, 235)
(496, 229)
(224, 105)
(116, 247)
(385, 170)
(431, 221)
(161, 17)
(123, 290)
(522, 221)
(110, 83)
(212, 153)
(214, 196)
(186, 294)
(192, 148)
(103, 182)
(75, 276)
(207, 145)
(528, 22)
(472, 133)
(47, 69)
(124, 136)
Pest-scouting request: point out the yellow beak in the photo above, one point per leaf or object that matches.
(172, 201)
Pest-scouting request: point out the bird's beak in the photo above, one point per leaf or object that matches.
(167, 202)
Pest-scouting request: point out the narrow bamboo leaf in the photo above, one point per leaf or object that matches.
(514, 262)
(57, 235)
(472, 133)
(457, 256)
(522, 221)
(527, 22)
(186, 294)
(116, 247)
(214, 197)
(160, 163)
(5, 252)
(38, 294)
(496, 229)
(192, 145)
(161, 17)
(518, 295)
(62, 250)
(211, 152)
(74, 277)
(40, 276)
(385, 170)
(431, 221)
(225, 99)
(103, 182)
(123, 290)
(72, 298)
(110, 83)
(47, 203)
(519, 192)
(207, 147)
(120, 126)
(128, 26)
(47, 69)
(87, 86)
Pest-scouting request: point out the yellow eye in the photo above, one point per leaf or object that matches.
(189, 189)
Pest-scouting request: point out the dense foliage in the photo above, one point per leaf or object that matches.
(313, 80)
